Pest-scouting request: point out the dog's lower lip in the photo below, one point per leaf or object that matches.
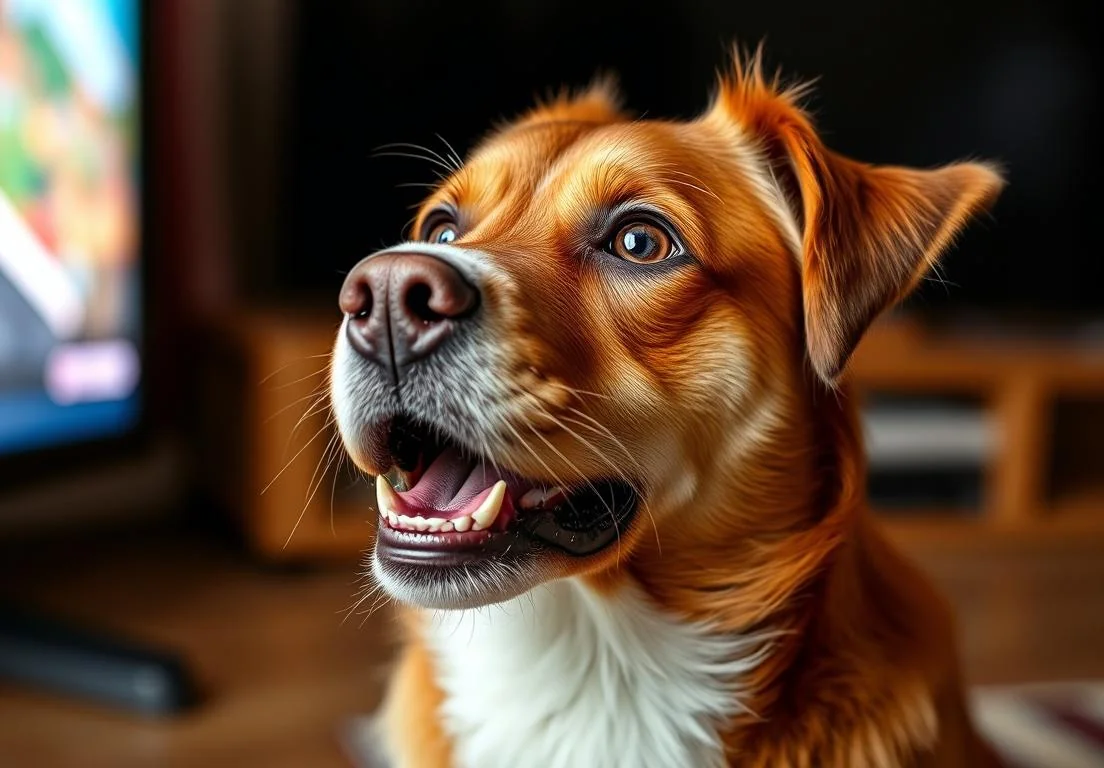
(449, 549)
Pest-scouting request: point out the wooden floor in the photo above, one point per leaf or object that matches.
(280, 670)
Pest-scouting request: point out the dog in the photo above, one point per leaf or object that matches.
(620, 479)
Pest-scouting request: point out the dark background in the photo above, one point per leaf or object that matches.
(918, 84)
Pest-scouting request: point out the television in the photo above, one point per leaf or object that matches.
(72, 124)
(71, 287)
(907, 83)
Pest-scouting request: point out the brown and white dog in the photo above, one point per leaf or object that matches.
(621, 485)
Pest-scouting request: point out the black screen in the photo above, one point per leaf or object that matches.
(918, 84)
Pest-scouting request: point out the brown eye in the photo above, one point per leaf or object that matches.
(641, 242)
(443, 232)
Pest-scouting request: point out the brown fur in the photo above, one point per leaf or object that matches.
(732, 367)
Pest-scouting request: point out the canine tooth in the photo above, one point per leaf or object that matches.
(446, 527)
(462, 524)
(387, 501)
(488, 510)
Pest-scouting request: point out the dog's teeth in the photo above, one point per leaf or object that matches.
(434, 523)
(446, 527)
(406, 522)
(531, 498)
(393, 519)
(462, 524)
(488, 510)
(421, 523)
(537, 497)
(387, 501)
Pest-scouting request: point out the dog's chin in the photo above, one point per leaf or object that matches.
(457, 588)
(460, 530)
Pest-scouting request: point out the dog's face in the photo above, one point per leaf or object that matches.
(598, 318)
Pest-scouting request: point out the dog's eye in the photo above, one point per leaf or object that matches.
(642, 242)
(443, 232)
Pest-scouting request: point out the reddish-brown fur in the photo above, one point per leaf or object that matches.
(732, 367)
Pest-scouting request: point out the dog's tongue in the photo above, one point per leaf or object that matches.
(450, 484)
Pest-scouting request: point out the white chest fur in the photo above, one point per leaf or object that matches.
(564, 677)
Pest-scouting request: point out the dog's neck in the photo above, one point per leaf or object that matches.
(798, 555)
(688, 652)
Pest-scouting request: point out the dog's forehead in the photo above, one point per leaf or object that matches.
(539, 152)
(517, 160)
(553, 165)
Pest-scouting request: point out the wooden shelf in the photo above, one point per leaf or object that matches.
(1020, 379)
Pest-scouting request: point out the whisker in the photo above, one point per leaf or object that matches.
(569, 463)
(319, 406)
(429, 152)
(609, 507)
(434, 161)
(603, 429)
(285, 366)
(459, 164)
(310, 498)
(600, 454)
(555, 478)
(315, 393)
(297, 455)
(301, 379)
(342, 456)
(582, 440)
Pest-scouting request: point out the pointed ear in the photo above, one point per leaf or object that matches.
(869, 233)
(599, 102)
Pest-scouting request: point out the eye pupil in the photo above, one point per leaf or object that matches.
(638, 242)
(643, 243)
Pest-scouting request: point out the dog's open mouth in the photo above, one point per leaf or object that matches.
(443, 505)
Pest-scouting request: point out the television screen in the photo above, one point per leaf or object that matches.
(70, 293)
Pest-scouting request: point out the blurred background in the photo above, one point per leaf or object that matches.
(182, 187)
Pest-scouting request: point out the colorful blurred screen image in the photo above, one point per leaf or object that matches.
(70, 278)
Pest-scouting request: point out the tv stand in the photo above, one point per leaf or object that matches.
(43, 652)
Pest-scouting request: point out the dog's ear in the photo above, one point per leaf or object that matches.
(868, 233)
(599, 102)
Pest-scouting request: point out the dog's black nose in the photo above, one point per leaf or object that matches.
(402, 306)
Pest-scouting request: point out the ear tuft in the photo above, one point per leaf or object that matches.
(598, 102)
(746, 91)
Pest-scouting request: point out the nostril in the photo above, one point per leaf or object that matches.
(417, 301)
(356, 300)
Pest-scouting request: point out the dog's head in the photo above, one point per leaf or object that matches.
(598, 321)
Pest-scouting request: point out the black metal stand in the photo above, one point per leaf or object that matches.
(41, 652)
